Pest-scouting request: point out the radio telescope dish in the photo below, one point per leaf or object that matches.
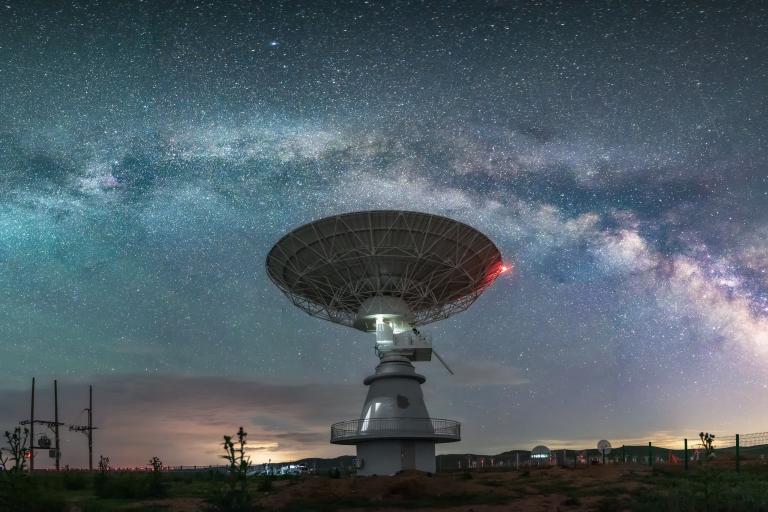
(604, 447)
(418, 267)
(388, 272)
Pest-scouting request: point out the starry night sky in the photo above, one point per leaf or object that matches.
(152, 152)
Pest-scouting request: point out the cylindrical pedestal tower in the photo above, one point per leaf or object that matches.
(394, 431)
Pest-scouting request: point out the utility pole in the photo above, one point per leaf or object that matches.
(90, 428)
(44, 443)
(56, 422)
(32, 431)
(87, 429)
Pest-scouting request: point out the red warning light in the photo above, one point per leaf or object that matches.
(501, 269)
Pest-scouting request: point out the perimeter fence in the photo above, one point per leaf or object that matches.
(728, 452)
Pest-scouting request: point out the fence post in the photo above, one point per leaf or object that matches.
(685, 454)
(737, 453)
(650, 454)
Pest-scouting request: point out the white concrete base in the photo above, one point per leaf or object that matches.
(390, 456)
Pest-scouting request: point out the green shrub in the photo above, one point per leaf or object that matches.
(74, 481)
(707, 490)
(128, 486)
(156, 488)
(20, 493)
(227, 500)
(264, 484)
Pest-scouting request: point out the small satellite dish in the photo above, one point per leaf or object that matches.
(604, 447)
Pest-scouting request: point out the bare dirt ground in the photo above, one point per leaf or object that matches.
(601, 488)
(609, 488)
(545, 490)
(549, 489)
(169, 505)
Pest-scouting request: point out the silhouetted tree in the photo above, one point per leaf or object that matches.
(156, 463)
(156, 488)
(15, 454)
(101, 479)
(18, 491)
(235, 497)
(707, 439)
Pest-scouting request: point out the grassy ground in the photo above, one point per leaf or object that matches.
(598, 488)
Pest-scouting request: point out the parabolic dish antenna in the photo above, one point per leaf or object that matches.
(425, 267)
(604, 447)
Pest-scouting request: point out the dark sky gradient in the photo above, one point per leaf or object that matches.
(152, 152)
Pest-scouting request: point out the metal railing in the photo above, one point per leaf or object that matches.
(430, 428)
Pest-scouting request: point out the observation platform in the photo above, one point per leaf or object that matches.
(436, 430)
